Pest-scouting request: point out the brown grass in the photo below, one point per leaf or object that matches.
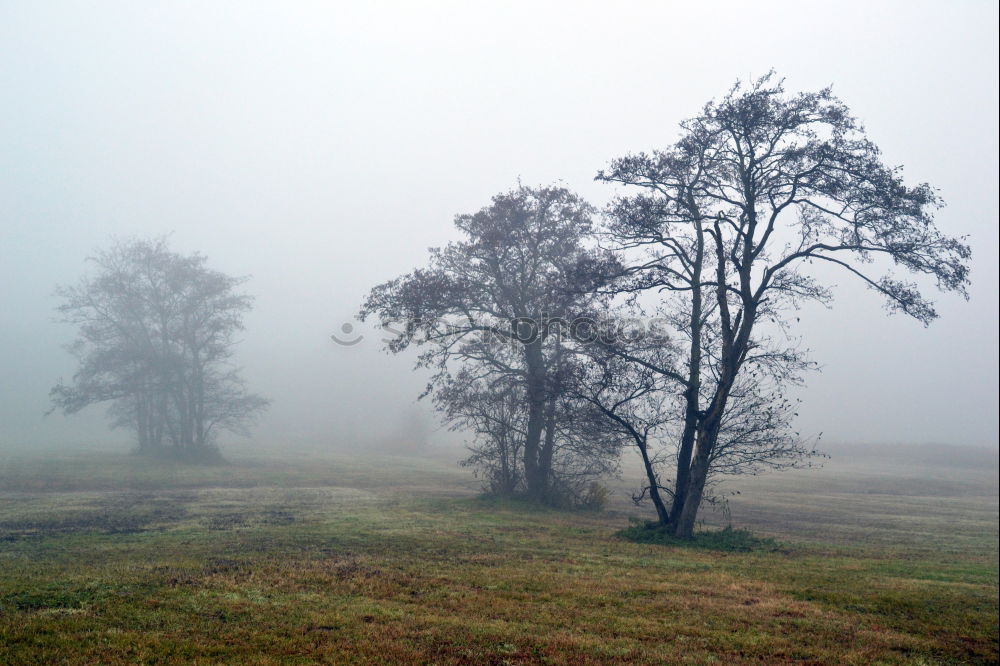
(331, 560)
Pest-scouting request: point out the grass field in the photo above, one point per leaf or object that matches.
(327, 558)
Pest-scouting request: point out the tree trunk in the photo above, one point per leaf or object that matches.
(684, 455)
(692, 394)
(199, 433)
(536, 418)
(734, 346)
(547, 450)
(708, 435)
(142, 421)
(684, 526)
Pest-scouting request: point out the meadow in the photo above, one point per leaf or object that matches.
(884, 556)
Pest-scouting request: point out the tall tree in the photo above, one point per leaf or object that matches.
(762, 186)
(155, 341)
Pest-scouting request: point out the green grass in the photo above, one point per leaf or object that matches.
(334, 559)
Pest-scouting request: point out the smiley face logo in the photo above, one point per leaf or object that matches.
(347, 329)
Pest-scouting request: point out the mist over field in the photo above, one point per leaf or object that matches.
(499, 332)
(321, 150)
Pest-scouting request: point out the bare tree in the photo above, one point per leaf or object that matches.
(486, 304)
(155, 341)
(761, 186)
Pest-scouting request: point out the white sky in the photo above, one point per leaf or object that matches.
(321, 148)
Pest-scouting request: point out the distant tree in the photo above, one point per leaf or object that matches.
(485, 305)
(156, 332)
(725, 226)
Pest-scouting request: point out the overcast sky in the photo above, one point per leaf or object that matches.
(321, 148)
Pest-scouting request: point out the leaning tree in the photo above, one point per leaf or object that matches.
(156, 335)
(728, 224)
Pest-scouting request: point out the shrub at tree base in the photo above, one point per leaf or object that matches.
(725, 540)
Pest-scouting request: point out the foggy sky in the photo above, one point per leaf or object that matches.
(321, 148)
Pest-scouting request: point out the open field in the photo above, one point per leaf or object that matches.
(328, 558)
